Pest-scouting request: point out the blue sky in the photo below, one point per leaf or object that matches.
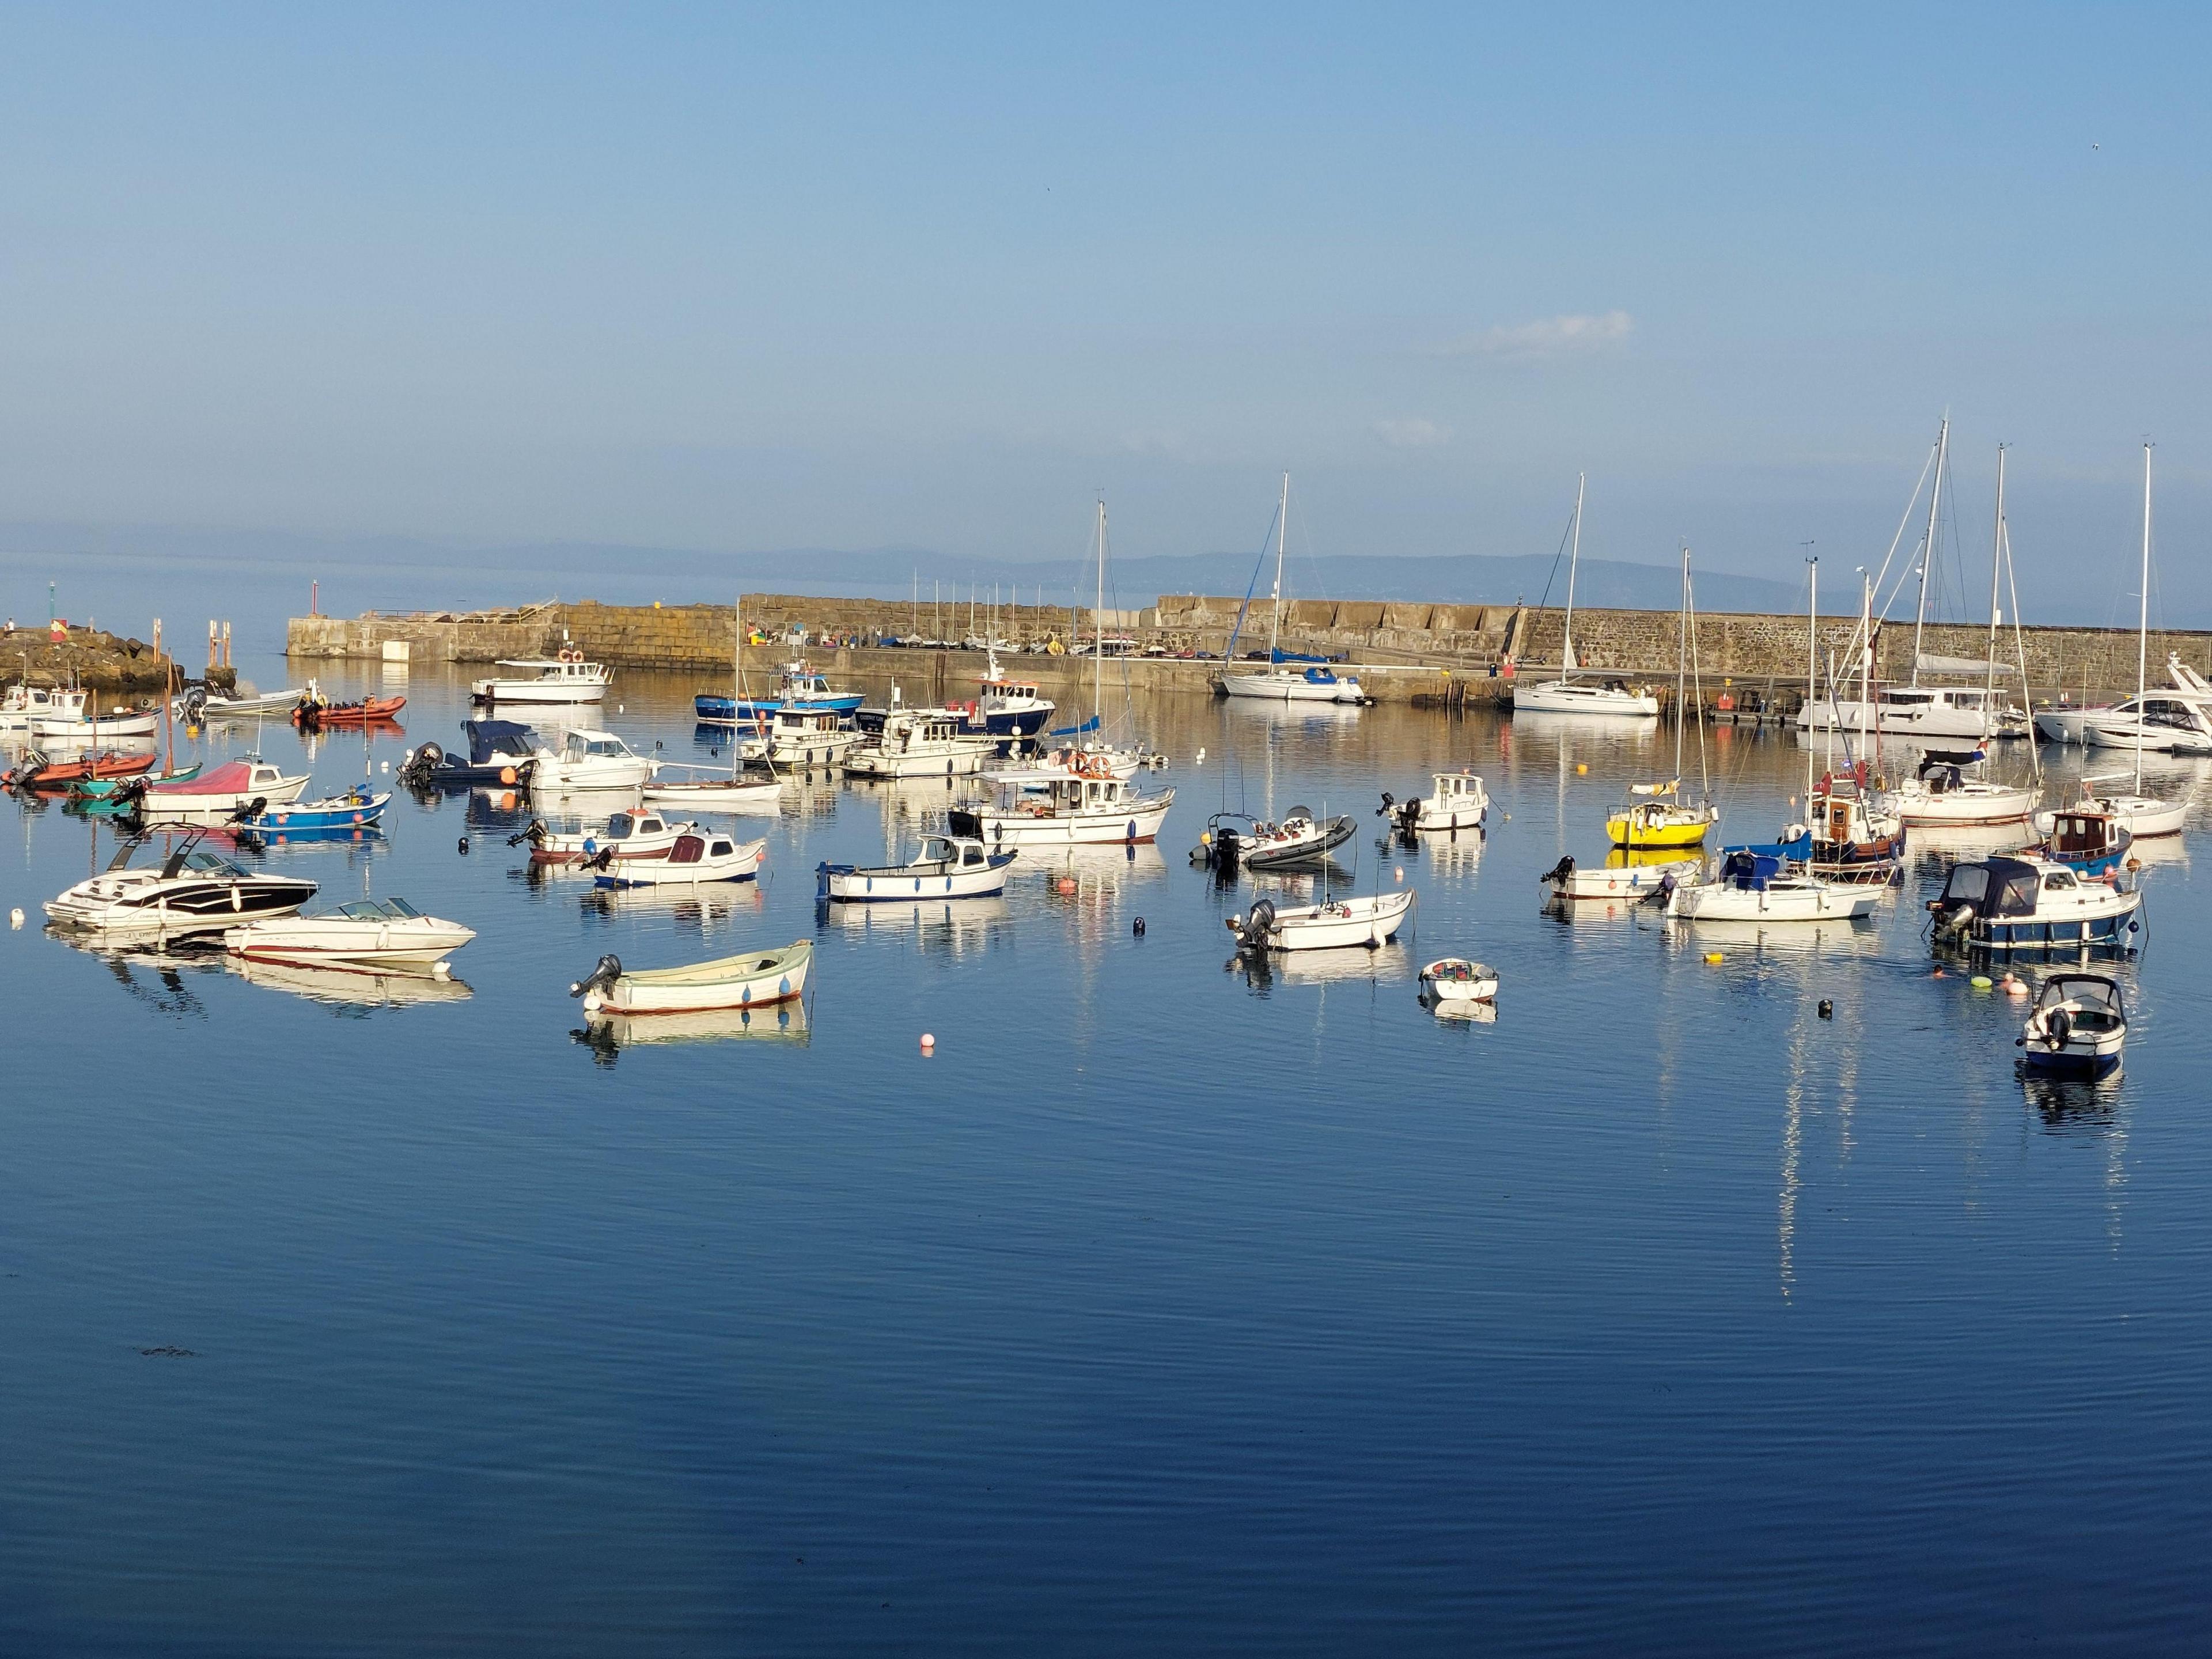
(741, 279)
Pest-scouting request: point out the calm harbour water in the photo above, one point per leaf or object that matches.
(1161, 1309)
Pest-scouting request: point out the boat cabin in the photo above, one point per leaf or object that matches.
(697, 849)
(496, 740)
(633, 826)
(1045, 794)
(595, 745)
(953, 851)
(1943, 771)
(794, 718)
(568, 668)
(1459, 788)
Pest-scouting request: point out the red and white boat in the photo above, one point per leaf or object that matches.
(626, 837)
(222, 791)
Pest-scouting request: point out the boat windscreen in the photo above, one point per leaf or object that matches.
(2088, 990)
(2013, 888)
(1969, 884)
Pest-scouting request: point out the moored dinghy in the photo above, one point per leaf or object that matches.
(1454, 979)
(1370, 921)
(754, 980)
(948, 867)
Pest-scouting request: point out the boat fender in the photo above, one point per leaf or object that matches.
(1827, 1009)
(601, 978)
(1137, 927)
(465, 847)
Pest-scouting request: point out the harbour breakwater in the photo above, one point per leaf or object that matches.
(64, 654)
(1407, 651)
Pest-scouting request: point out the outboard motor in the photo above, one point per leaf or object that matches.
(195, 705)
(534, 832)
(1559, 872)
(1252, 928)
(601, 978)
(422, 764)
(252, 809)
(1953, 921)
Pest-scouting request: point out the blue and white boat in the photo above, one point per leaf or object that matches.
(2033, 904)
(351, 813)
(798, 686)
(948, 866)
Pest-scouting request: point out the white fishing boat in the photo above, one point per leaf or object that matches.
(232, 787)
(714, 794)
(797, 736)
(918, 742)
(2032, 904)
(588, 760)
(1287, 677)
(1052, 809)
(754, 980)
(947, 867)
(1006, 707)
(1455, 800)
(565, 677)
(1566, 695)
(1371, 920)
(73, 716)
(1752, 886)
(625, 838)
(1623, 875)
(2078, 1028)
(697, 858)
(371, 935)
(22, 704)
(189, 889)
(1455, 979)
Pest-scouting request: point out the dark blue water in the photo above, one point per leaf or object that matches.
(1164, 1308)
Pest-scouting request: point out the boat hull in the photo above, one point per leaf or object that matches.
(1291, 688)
(1773, 901)
(756, 981)
(1564, 697)
(1139, 822)
(1364, 923)
(891, 883)
(419, 943)
(716, 797)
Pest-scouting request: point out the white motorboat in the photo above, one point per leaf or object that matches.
(1945, 793)
(918, 742)
(1456, 800)
(1454, 979)
(232, 787)
(2065, 723)
(589, 759)
(2079, 1026)
(1053, 809)
(2141, 816)
(1623, 876)
(754, 980)
(1566, 695)
(563, 678)
(1287, 677)
(799, 736)
(947, 867)
(714, 794)
(189, 891)
(1940, 712)
(1752, 886)
(2032, 904)
(697, 858)
(369, 935)
(2154, 722)
(1094, 761)
(23, 704)
(196, 709)
(626, 837)
(1370, 921)
(72, 716)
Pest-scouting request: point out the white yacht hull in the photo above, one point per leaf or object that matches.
(2066, 724)
(1777, 901)
(1919, 721)
(1136, 821)
(1975, 804)
(420, 942)
(1291, 688)
(1569, 697)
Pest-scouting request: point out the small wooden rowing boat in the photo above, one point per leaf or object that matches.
(752, 980)
(1454, 979)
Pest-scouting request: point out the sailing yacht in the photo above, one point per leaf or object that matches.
(1566, 696)
(1283, 680)
(1657, 816)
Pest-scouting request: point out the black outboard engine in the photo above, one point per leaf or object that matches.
(422, 764)
(1252, 928)
(601, 978)
(195, 705)
(1405, 815)
(534, 832)
(252, 809)
(1559, 872)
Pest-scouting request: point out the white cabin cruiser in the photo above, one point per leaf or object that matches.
(23, 704)
(2157, 723)
(1456, 800)
(800, 735)
(73, 716)
(1754, 886)
(697, 858)
(565, 678)
(2032, 904)
(626, 837)
(191, 890)
(947, 867)
(1053, 809)
(1370, 921)
(919, 743)
(589, 759)
(2078, 1028)
(1943, 711)
(368, 936)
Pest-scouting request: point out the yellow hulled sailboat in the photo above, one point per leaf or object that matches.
(1656, 818)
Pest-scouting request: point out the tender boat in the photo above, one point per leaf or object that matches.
(369, 936)
(1052, 809)
(714, 794)
(2078, 1028)
(1370, 921)
(1947, 793)
(755, 979)
(191, 890)
(1299, 839)
(917, 743)
(197, 706)
(1454, 979)
(697, 858)
(1752, 885)
(1456, 800)
(563, 678)
(234, 786)
(358, 808)
(798, 686)
(501, 752)
(35, 771)
(314, 712)
(2032, 904)
(1623, 876)
(588, 760)
(643, 833)
(947, 867)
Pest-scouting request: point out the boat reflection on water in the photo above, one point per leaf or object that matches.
(2075, 1106)
(1943, 846)
(497, 809)
(607, 1034)
(1452, 851)
(1467, 1013)
(953, 926)
(696, 911)
(1836, 940)
(152, 973)
(352, 989)
(1385, 964)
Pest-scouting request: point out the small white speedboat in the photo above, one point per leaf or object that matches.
(695, 858)
(624, 837)
(191, 890)
(1370, 921)
(948, 867)
(588, 760)
(754, 980)
(2078, 1028)
(1456, 800)
(369, 935)
(1630, 876)
(1454, 979)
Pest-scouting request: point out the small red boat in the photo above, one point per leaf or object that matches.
(311, 716)
(37, 772)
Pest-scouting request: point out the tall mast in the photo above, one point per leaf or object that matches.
(1866, 658)
(1098, 621)
(1812, 670)
(1928, 549)
(1996, 568)
(1574, 557)
(1282, 535)
(1681, 661)
(2142, 622)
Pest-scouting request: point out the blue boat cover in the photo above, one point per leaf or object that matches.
(490, 739)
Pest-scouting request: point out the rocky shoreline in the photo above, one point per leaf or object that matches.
(95, 659)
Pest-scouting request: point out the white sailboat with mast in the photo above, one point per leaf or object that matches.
(1282, 681)
(1567, 695)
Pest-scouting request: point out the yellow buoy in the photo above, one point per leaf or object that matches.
(1714, 955)
(1581, 767)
